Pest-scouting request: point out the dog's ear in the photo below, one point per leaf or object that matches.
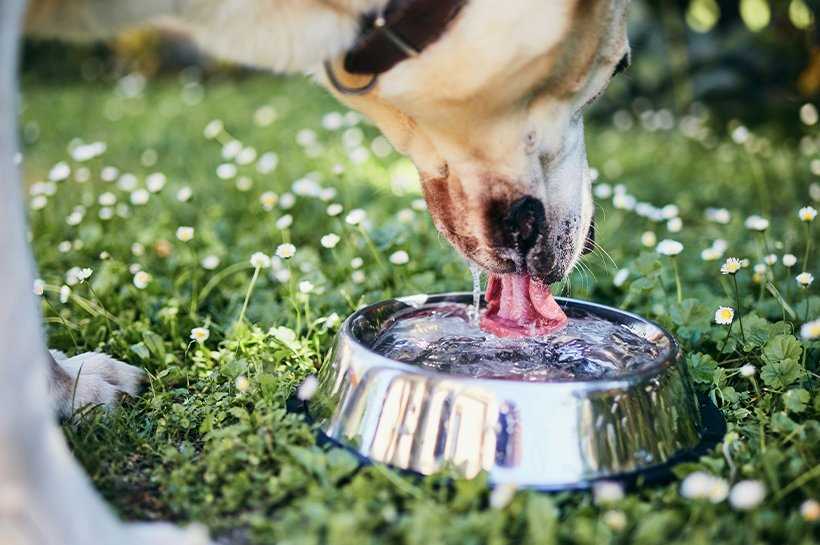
(278, 35)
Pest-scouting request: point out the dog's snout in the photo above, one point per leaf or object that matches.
(525, 222)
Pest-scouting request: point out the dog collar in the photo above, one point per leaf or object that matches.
(403, 29)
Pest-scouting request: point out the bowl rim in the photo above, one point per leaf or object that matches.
(658, 366)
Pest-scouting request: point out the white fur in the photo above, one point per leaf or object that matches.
(45, 498)
(96, 379)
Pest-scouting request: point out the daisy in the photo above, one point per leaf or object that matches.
(285, 251)
(243, 183)
(807, 213)
(358, 277)
(286, 201)
(39, 286)
(127, 181)
(607, 492)
(242, 383)
(155, 182)
(137, 249)
(710, 254)
(264, 115)
(246, 156)
(674, 225)
(615, 519)
(65, 293)
(731, 266)
(805, 279)
(184, 193)
(756, 223)
(185, 233)
(620, 277)
(502, 495)
(724, 315)
(649, 239)
(284, 222)
(810, 510)
(356, 263)
(746, 495)
(107, 199)
(141, 280)
(64, 247)
(327, 194)
(669, 247)
(213, 129)
(810, 330)
(306, 286)
(770, 259)
(109, 173)
(268, 200)
(789, 260)
(200, 334)
(267, 163)
(399, 258)
(419, 205)
(59, 172)
(356, 216)
(718, 215)
(334, 209)
(330, 240)
(748, 371)
(260, 260)
(139, 197)
(226, 171)
(210, 262)
(39, 202)
(231, 149)
(308, 388)
(701, 485)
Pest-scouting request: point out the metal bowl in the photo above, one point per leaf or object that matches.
(547, 435)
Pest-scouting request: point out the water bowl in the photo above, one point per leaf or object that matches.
(552, 416)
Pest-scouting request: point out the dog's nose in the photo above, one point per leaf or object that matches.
(525, 221)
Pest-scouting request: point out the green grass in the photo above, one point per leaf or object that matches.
(210, 439)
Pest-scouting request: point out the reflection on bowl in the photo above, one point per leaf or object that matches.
(549, 435)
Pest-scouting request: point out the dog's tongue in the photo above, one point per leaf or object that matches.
(519, 306)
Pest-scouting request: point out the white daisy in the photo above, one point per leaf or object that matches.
(260, 260)
(731, 266)
(356, 216)
(746, 495)
(669, 247)
(308, 388)
(330, 240)
(285, 251)
(807, 213)
(200, 334)
(810, 330)
(724, 315)
(805, 279)
(334, 209)
(284, 222)
(789, 260)
(141, 279)
(756, 223)
(748, 370)
(185, 233)
(399, 258)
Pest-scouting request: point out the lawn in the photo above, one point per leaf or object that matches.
(210, 439)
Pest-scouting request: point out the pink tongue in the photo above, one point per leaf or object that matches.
(518, 306)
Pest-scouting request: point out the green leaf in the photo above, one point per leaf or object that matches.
(779, 374)
(140, 350)
(796, 399)
(154, 343)
(782, 347)
(702, 367)
(542, 519)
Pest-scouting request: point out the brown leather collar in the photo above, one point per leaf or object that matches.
(403, 29)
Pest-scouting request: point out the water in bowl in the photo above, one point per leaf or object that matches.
(443, 337)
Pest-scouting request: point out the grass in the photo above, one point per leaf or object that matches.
(210, 439)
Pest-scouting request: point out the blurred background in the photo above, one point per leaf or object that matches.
(755, 60)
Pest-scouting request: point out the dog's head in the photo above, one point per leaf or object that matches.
(491, 113)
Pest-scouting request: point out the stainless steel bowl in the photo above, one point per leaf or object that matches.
(549, 435)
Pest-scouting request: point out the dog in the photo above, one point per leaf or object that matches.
(486, 98)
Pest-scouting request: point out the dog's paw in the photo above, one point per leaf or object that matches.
(95, 379)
